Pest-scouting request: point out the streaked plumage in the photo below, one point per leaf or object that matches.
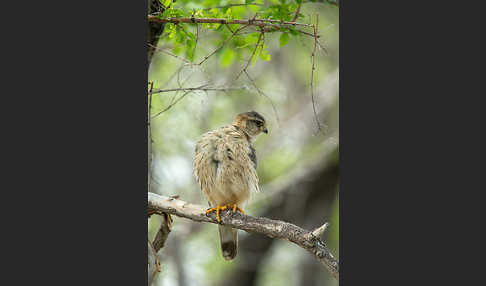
(225, 167)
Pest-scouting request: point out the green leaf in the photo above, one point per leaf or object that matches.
(227, 57)
(177, 49)
(264, 56)
(190, 44)
(190, 50)
(190, 35)
(239, 42)
(229, 15)
(293, 32)
(239, 11)
(180, 37)
(284, 39)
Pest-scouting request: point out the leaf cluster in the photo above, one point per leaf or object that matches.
(183, 38)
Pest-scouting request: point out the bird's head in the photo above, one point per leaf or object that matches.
(251, 122)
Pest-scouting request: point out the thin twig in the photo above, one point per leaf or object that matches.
(229, 28)
(222, 45)
(264, 95)
(150, 141)
(271, 228)
(297, 12)
(170, 54)
(251, 58)
(271, 30)
(195, 44)
(233, 5)
(179, 99)
(322, 47)
(312, 74)
(172, 104)
(198, 88)
(153, 263)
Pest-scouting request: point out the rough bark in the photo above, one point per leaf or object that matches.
(271, 228)
(305, 200)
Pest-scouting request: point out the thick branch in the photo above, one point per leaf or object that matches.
(271, 228)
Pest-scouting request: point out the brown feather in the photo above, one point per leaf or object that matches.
(225, 168)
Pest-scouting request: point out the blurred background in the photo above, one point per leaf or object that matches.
(297, 161)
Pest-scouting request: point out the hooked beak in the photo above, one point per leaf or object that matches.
(265, 131)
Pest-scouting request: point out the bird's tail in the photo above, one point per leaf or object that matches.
(229, 241)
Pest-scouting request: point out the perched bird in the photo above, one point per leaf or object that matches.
(225, 167)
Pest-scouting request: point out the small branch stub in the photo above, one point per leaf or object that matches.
(318, 232)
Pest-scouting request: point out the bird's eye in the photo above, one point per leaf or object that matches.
(259, 123)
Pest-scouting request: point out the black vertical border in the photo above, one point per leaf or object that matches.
(75, 86)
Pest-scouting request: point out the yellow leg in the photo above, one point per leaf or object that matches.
(218, 208)
(237, 208)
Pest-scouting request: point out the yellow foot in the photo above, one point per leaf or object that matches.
(237, 208)
(217, 209)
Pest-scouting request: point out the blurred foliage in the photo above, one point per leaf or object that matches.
(183, 38)
(279, 90)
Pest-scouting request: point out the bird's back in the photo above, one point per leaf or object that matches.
(224, 166)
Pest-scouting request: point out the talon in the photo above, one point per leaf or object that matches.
(235, 207)
(217, 209)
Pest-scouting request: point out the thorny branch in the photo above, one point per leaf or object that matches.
(251, 22)
(308, 240)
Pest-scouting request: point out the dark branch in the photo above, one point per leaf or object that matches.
(163, 233)
(250, 22)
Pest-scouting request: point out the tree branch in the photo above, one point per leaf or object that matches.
(199, 88)
(271, 228)
(153, 263)
(163, 233)
(250, 22)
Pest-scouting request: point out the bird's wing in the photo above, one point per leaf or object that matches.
(206, 161)
(238, 159)
(225, 157)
